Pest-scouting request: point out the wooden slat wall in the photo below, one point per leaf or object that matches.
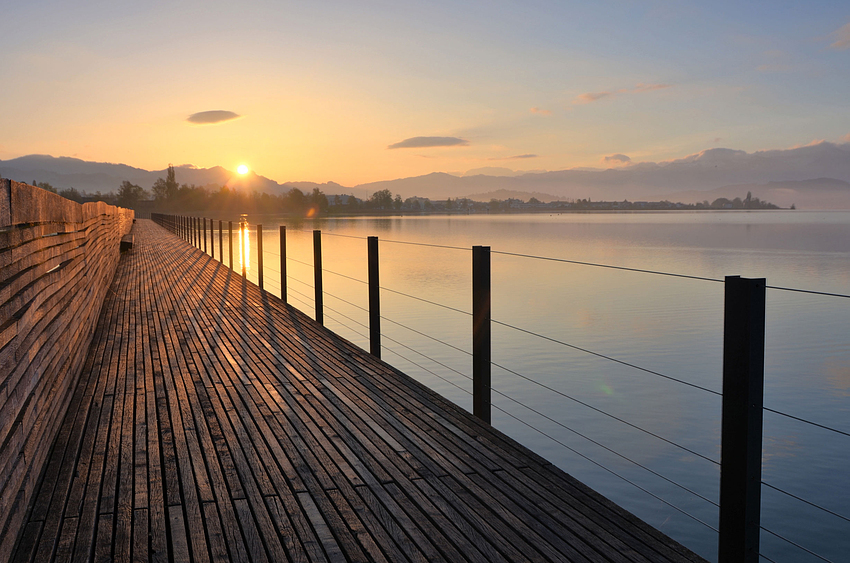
(57, 259)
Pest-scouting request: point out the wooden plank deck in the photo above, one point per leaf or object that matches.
(213, 422)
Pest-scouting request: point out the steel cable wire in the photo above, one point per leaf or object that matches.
(639, 270)
(329, 308)
(427, 336)
(345, 276)
(428, 370)
(600, 411)
(842, 432)
(304, 295)
(810, 291)
(604, 447)
(427, 244)
(427, 301)
(837, 515)
(346, 301)
(427, 357)
(599, 355)
(795, 544)
(611, 471)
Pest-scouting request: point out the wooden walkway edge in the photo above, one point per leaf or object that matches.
(212, 422)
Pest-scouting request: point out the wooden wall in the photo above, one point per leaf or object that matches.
(57, 260)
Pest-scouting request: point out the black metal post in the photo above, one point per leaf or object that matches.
(260, 256)
(220, 241)
(205, 235)
(283, 263)
(481, 332)
(741, 425)
(230, 241)
(317, 275)
(374, 299)
(243, 247)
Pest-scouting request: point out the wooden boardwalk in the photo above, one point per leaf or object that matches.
(214, 422)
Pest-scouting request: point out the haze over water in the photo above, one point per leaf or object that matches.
(670, 325)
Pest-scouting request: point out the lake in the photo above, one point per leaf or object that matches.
(591, 416)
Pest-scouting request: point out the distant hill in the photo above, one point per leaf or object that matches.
(505, 194)
(815, 176)
(706, 171)
(64, 172)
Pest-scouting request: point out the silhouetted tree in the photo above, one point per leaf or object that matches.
(129, 194)
(72, 194)
(167, 189)
(382, 199)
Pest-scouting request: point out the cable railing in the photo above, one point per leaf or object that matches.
(189, 229)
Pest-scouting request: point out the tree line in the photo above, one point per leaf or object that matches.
(167, 195)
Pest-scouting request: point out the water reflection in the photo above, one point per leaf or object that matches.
(244, 245)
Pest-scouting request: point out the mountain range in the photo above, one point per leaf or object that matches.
(814, 176)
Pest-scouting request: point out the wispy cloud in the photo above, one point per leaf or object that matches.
(616, 159)
(590, 97)
(717, 140)
(515, 157)
(637, 89)
(846, 138)
(540, 111)
(421, 142)
(841, 37)
(210, 117)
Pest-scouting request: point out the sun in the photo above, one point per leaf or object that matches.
(242, 169)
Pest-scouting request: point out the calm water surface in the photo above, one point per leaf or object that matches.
(670, 325)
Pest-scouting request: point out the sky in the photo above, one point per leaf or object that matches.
(354, 92)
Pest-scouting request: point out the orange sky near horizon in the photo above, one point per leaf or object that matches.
(324, 90)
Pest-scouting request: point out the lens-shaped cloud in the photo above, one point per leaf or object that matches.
(210, 117)
(515, 157)
(421, 142)
(616, 159)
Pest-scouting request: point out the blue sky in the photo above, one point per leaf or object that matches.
(323, 88)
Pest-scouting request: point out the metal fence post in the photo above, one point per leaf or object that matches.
(220, 241)
(260, 256)
(283, 263)
(230, 241)
(481, 332)
(243, 247)
(205, 235)
(741, 425)
(374, 298)
(317, 275)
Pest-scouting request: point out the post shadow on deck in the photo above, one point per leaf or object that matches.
(741, 432)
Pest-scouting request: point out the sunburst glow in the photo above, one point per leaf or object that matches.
(242, 169)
